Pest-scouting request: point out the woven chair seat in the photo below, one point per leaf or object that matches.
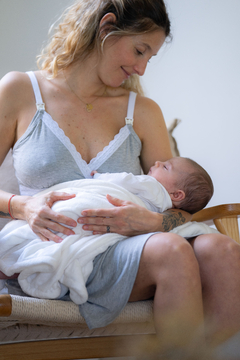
(62, 319)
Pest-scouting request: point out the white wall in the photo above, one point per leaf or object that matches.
(196, 78)
(24, 26)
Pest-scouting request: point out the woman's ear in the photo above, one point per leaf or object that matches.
(106, 20)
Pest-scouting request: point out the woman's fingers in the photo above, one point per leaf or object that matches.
(104, 213)
(97, 220)
(46, 223)
(124, 218)
(52, 197)
(116, 202)
(49, 236)
(49, 230)
(59, 222)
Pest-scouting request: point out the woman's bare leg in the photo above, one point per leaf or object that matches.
(5, 277)
(169, 271)
(219, 262)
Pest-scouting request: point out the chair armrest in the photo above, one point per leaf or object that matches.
(216, 212)
(225, 218)
(5, 305)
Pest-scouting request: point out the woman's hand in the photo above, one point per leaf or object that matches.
(126, 218)
(129, 219)
(42, 219)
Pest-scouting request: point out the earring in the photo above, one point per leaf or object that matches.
(102, 42)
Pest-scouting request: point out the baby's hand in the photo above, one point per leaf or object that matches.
(93, 172)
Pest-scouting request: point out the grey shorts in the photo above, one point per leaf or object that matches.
(111, 281)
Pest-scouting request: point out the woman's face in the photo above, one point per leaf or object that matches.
(127, 55)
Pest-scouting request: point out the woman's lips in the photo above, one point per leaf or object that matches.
(127, 75)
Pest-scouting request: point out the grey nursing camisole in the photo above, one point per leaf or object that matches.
(44, 155)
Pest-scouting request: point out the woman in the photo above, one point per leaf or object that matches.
(94, 58)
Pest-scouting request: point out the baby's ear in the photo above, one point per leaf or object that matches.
(177, 195)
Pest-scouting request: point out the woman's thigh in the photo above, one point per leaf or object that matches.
(166, 257)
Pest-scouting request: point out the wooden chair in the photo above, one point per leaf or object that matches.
(47, 329)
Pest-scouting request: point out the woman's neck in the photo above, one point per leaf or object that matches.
(83, 80)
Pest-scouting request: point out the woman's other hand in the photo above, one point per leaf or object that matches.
(43, 221)
(129, 219)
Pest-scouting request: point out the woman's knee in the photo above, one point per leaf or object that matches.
(168, 243)
(171, 251)
(217, 247)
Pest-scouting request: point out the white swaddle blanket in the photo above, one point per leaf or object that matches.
(47, 268)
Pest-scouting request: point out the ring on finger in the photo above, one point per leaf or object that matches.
(108, 229)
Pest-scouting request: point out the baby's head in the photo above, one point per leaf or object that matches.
(188, 184)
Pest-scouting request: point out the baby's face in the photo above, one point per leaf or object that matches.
(169, 172)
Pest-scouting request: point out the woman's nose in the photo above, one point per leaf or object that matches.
(140, 67)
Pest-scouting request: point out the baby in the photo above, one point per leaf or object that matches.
(189, 186)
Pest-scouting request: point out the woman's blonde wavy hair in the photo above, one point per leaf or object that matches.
(78, 32)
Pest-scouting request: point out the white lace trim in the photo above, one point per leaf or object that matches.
(101, 157)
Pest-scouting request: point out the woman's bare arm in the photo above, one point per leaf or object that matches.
(150, 126)
(15, 108)
(8, 128)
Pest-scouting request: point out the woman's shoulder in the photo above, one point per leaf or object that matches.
(147, 111)
(12, 92)
(14, 85)
(14, 79)
(15, 89)
(147, 106)
(16, 97)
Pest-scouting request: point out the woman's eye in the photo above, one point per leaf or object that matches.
(139, 52)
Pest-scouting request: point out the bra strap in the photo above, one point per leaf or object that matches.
(39, 103)
(131, 106)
